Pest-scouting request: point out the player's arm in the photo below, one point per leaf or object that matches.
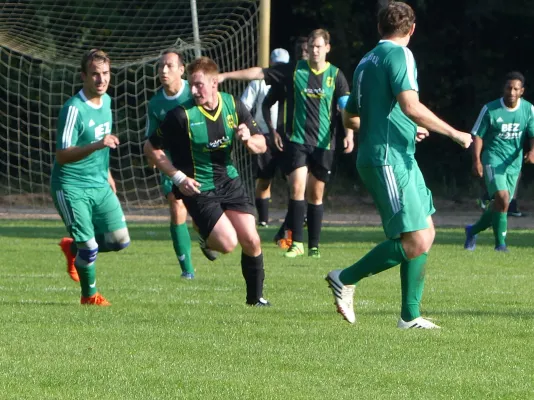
(479, 130)
(175, 123)
(529, 157)
(249, 74)
(69, 129)
(275, 95)
(341, 95)
(152, 124)
(111, 182)
(248, 131)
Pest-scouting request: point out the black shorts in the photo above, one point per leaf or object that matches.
(207, 207)
(319, 161)
(268, 162)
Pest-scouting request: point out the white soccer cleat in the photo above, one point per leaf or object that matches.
(343, 295)
(418, 323)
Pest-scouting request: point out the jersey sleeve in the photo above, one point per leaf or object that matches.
(244, 117)
(174, 124)
(402, 71)
(274, 96)
(342, 91)
(250, 95)
(69, 127)
(530, 123)
(278, 74)
(151, 121)
(482, 123)
(352, 102)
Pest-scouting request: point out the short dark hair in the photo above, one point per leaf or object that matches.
(204, 64)
(298, 45)
(515, 76)
(174, 51)
(94, 55)
(396, 18)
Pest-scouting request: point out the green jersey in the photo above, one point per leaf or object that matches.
(200, 141)
(81, 123)
(387, 135)
(502, 131)
(160, 104)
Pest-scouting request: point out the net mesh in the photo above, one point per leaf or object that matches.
(41, 44)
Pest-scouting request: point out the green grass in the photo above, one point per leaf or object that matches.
(166, 338)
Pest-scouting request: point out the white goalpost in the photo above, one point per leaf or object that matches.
(41, 44)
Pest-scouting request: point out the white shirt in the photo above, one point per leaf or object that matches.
(253, 96)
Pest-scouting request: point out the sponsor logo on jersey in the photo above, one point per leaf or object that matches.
(317, 93)
(510, 131)
(102, 130)
(91, 123)
(196, 123)
(499, 119)
(218, 144)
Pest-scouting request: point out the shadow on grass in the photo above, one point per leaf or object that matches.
(329, 235)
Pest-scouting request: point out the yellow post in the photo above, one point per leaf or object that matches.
(265, 33)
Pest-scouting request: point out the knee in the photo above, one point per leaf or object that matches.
(251, 244)
(417, 245)
(87, 253)
(262, 185)
(226, 245)
(117, 240)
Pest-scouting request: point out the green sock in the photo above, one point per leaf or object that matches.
(500, 225)
(181, 241)
(412, 274)
(87, 276)
(484, 222)
(384, 256)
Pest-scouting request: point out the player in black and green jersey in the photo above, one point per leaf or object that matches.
(174, 91)
(384, 106)
(81, 185)
(499, 134)
(199, 135)
(314, 90)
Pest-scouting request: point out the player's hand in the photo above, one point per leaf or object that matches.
(242, 132)
(109, 141)
(477, 169)
(529, 157)
(278, 142)
(464, 139)
(189, 187)
(348, 144)
(422, 134)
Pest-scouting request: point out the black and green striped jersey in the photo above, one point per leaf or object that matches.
(200, 141)
(311, 100)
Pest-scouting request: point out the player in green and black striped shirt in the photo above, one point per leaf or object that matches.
(199, 135)
(314, 91)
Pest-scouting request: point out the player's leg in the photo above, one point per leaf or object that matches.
(513, 208)
(505, 184)
(320, 166)
(265, 173)
(111, 232)
(181, 240)
(297, 205)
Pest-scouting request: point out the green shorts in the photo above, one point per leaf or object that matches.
(501, 177)
(166, 184)
(401, 196)
(87, 212)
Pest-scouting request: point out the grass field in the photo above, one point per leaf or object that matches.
(166, 338)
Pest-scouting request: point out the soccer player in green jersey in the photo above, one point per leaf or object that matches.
(499, 133)
(384, 106)
(199, 135)
(314, 90)
(81, 184)
(174, 91)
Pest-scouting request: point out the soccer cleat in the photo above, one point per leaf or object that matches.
(284, 242)
(470, 239)
(95, 300)
(343, 296)
(418, 323)
(502, 248)
(295, 250)
(260, 303)
(263, 224)
(65, 245)
(516, 213)
(208, 253)
(187, 275)
(314, 252)
(483, 203)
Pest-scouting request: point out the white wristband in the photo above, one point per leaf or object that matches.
(178, 178)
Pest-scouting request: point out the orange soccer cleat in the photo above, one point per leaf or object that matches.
(65, 245)
(286, 242)
(95, 300)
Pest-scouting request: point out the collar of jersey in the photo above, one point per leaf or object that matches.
(90, 103)
(320, 71)
(175, 96)
(508, 108)
(219, 108)
(389, 41)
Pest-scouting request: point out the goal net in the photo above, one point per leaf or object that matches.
(41, 44)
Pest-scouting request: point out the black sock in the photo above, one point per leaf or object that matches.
(315, 222)
(262, 205)
(254, 274)
(296, 215)
(512, 207)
